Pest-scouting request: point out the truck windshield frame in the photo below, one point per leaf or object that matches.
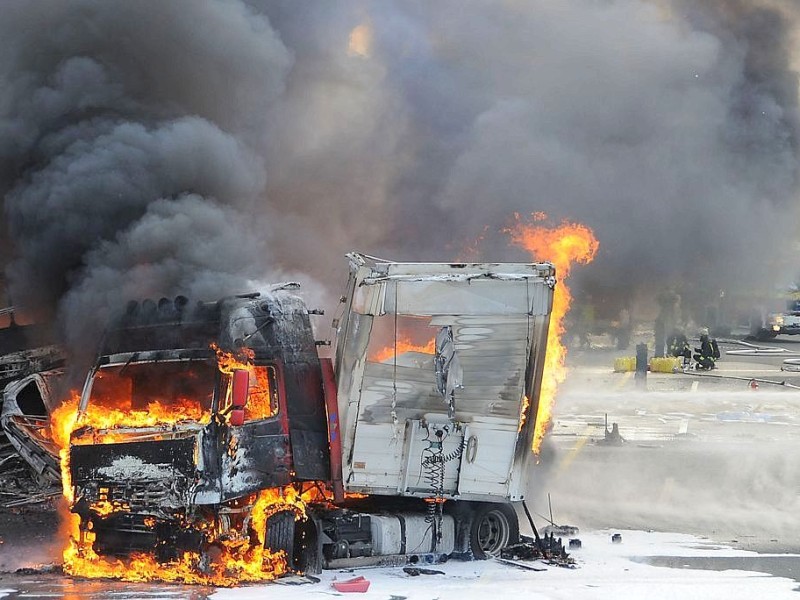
(184, 387)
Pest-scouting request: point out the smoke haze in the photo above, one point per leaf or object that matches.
(155, 148)
(733, 474)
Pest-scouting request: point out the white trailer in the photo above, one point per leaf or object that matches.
(438, 368)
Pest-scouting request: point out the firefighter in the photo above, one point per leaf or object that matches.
(708, 352)
(678, 346)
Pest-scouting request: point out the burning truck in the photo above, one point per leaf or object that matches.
(211, 443)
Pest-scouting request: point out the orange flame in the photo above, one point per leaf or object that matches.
(563, 246)
(259, 404)
(228, 362)
(404, 345)
(237, 558)
(523, 412)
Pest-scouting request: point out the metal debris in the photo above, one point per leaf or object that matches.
(416, 571)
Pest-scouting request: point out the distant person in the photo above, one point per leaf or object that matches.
(624, 329)
(708, 352)
(678, 346)
(586, 324)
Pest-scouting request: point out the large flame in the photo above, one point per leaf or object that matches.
(562, 245)
(237, 560)
(236, 557)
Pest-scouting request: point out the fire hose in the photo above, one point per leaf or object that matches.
(748, 379)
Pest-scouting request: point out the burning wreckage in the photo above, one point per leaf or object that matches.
(212, 444)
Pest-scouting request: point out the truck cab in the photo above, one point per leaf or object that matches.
(163, 446)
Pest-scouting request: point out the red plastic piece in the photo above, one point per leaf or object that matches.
(356, 584)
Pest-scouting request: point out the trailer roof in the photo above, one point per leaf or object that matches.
(375, 270)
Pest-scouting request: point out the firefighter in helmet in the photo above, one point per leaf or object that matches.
(707, 354)
(678, 346)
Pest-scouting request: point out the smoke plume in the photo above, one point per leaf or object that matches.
(154, 148)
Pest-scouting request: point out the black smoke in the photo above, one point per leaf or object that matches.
(204, 147)
(131, 139)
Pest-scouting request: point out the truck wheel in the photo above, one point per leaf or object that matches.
(280, 534)
(494, 526)
(308, 555)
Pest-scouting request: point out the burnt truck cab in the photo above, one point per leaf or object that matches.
(163, 445)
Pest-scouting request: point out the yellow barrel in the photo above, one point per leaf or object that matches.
(668, 364)
(624, 363)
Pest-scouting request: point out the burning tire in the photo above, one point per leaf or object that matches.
(280, 533)
(494, 526)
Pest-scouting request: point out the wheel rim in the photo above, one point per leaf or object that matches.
(493, 532)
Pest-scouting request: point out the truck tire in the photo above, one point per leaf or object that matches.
(494, 526)
(280, 534)
(308, 553)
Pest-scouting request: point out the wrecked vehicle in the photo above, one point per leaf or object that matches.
(412, 443)
(27, 404)
(30, 366)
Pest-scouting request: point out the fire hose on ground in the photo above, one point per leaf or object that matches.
(748, 379)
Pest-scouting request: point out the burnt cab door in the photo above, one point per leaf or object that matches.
(257, 453)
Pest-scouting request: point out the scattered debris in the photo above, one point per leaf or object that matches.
(548, 548)
(51, 569)
(296, 579)
(611, 437)
(32, 499)
(520, 565)
(19, 485)
(19, 364)
(561, 530)
(553, 528)
(416, 571)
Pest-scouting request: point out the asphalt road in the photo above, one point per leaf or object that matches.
(704, 453)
